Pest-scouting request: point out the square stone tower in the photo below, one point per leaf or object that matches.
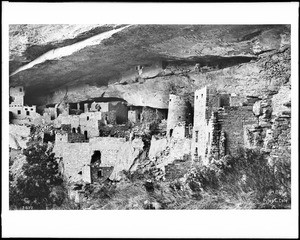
(17, 94)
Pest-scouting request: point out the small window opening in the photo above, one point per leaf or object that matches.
(27, 113)
(21, 89)
(87, 118)
(196, 136)
(73, 130)
(171, 132)
(196, 97)
(80, 173)
(19, 112)
(100, 174)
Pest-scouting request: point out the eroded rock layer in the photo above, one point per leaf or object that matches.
(142, 64)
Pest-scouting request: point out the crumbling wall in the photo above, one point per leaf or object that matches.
(164, 151)
(115, 152)
(157, 146)
(234, 121)
(278, 139)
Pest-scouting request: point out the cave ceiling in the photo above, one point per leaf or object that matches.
(44, 58)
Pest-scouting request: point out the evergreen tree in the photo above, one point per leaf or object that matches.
(41, 175)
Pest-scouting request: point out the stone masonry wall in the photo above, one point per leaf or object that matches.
(115, 152)
(233, 121)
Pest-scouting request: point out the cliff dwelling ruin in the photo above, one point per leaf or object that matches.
(112, 113)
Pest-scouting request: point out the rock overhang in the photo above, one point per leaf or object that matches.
(105, 63)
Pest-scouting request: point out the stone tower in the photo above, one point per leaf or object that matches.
(179, 111)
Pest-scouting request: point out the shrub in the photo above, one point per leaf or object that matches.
(246, 173)
(37, 189)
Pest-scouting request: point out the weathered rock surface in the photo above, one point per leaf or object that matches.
(230, 52)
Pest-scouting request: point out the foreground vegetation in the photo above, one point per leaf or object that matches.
(40, 186)
(245, 181)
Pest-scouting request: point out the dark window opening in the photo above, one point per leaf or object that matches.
(31, 109)
(96, 157)
(80, 173)
(196, 136)
(21, 90)
(52, 117)
(27, 113)
(78, 130)
(100, 174)
(85, 135)
(87, 118)
(19, 112)
(171, 132)
(196, 97)
(49, 137)
(73, 130)
(196, 151)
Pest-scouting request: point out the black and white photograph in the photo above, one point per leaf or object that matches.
(156, 117)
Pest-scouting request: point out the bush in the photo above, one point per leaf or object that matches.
(38, 188)
(246, 173)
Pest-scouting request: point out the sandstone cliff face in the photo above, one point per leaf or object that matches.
(239, 56)
(264, 76)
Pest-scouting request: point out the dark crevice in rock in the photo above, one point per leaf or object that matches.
(251, 36)
(213, 62)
